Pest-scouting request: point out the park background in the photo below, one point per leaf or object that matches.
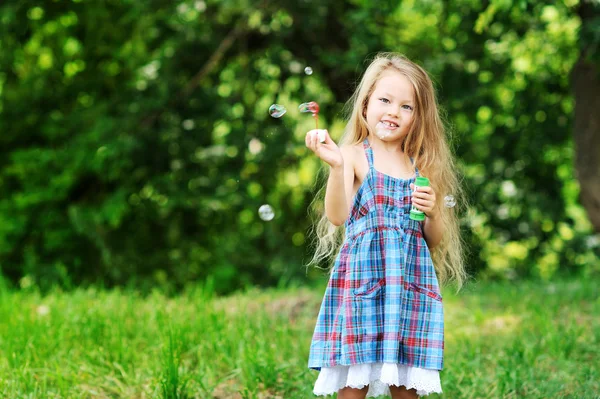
(137, 148)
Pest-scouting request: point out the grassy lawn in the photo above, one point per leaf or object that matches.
(504, 340)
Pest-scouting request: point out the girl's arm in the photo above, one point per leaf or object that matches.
(433, 228)
(339, 188)
(341, 175)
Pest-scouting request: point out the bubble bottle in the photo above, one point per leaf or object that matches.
(416, 214)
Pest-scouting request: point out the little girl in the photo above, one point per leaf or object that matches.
(380, 329)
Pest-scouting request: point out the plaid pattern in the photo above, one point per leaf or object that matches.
(382, 302)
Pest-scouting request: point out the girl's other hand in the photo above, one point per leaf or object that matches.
(327, 150)
(424, 200)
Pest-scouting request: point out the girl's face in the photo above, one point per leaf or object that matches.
(390, 109)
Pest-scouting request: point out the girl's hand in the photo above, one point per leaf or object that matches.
(328, 151)
(424, 200)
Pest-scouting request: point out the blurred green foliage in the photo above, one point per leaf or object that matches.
(137, 147)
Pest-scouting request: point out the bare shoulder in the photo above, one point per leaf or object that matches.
(348, 151)
(354, 154)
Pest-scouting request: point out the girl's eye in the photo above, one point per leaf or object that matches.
(406, 106)
(384, 100)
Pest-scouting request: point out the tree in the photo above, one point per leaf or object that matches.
(586, 88)
(136, 146)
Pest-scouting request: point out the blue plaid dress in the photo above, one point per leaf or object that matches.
(382, 303)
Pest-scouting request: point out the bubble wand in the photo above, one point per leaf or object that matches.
(313, 108)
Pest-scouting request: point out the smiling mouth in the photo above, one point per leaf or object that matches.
(387, 125)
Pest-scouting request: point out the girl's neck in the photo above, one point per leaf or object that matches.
(390, 159)
(388, 146)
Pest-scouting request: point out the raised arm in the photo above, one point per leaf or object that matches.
(338, 194)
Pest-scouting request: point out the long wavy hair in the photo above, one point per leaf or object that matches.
(426, 143)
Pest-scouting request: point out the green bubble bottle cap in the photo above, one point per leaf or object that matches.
(421, 181)
(416, 214)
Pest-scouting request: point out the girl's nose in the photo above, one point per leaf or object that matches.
(394, 111)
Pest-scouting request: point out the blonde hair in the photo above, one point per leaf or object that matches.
(426, 143)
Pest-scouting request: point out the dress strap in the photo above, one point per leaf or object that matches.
(368, 152)
(412, 161)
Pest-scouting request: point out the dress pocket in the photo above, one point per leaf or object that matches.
(367, 314)
(371, 289)
(424, 291)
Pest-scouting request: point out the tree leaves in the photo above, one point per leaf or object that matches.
(136, 139)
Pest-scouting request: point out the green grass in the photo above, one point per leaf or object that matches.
(505, 340)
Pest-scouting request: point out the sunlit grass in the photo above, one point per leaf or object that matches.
(505, 340)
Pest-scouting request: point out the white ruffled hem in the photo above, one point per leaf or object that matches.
(378, 376)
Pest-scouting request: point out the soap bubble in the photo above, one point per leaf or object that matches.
(277, 111)
(309, 107)
(308, 70)
(265, 212)
(449, 201)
